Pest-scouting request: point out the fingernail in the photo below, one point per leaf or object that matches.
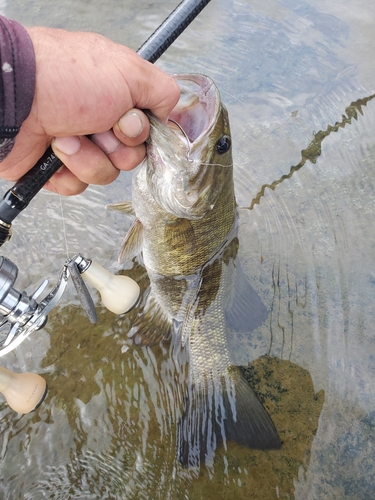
(107, 141)
(130, 124)
(67, 145)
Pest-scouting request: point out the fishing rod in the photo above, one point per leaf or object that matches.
(21, 313)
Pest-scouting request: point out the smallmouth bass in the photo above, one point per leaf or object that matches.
(186, 228)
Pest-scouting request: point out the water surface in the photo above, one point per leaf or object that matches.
(297, 78)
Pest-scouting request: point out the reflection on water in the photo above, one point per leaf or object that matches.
(290, 73)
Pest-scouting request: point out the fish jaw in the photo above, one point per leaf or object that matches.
(185, 172)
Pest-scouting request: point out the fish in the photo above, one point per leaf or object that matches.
(185, 227)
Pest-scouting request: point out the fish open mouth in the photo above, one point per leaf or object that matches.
(196, 112)
(182, 165)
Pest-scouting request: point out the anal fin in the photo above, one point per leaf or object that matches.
(246, 311)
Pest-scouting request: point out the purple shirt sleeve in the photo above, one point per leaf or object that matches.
(17, 81)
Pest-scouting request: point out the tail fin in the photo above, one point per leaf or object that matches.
(220, 411)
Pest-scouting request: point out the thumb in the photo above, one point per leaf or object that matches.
(154, 90)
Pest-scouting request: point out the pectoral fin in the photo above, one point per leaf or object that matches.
(132, 244)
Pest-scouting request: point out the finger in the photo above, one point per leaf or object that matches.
(132, 128)
(86, 160)
(121, 156)
(64, 182)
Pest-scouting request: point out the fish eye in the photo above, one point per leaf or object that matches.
(223, 144)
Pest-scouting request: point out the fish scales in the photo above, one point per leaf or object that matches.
(178, 246)
(184, 201)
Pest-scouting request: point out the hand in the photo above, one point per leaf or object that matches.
(87, 84)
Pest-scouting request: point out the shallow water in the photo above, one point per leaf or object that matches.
(297, 78)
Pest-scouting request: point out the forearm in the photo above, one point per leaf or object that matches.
(17, 81)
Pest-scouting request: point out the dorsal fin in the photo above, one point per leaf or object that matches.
(124, 207)
(245, 310)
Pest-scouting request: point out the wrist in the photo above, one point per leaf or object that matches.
(17, 62)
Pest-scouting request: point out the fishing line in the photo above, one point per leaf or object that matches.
(231, 95)
(63, 225)
(213, 164)
(188, 143)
